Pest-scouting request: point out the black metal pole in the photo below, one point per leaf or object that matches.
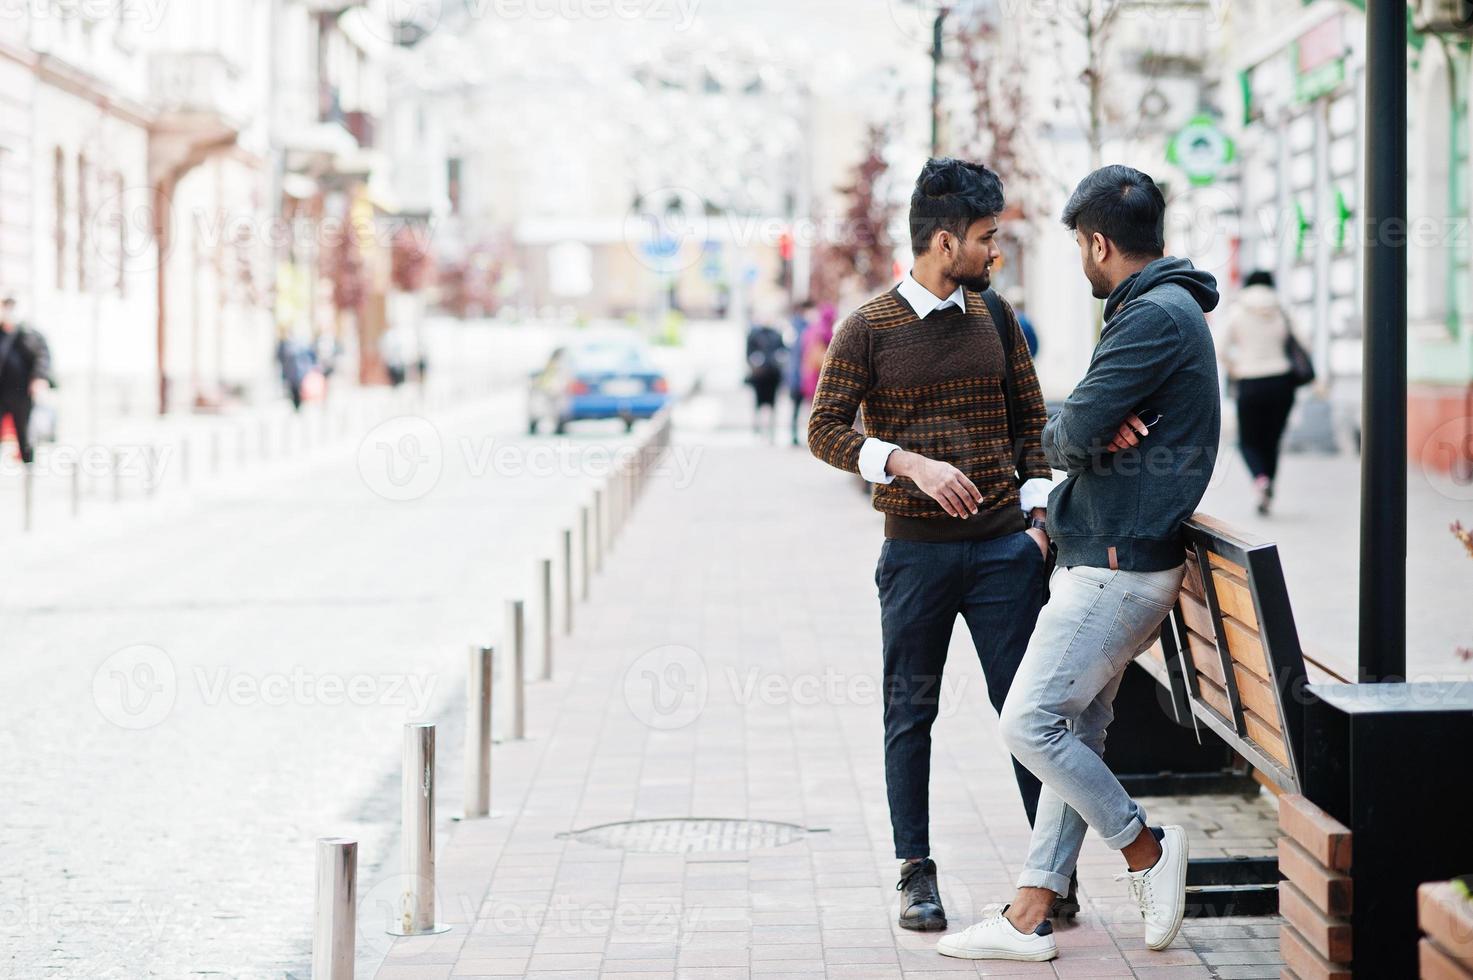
(936, 55)
(1383, 522)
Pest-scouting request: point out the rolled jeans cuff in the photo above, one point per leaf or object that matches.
(1120, 841)
(1056, 883)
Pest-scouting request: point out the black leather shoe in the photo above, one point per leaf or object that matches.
(1067, 906)
(920, 905)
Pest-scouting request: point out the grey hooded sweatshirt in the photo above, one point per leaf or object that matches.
(1155, 356)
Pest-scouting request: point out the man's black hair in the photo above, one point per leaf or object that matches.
(1259, 277)
(1125, 206)
(951, 194)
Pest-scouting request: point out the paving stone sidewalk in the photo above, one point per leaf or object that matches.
(727, 666)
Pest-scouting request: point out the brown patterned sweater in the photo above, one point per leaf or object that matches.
(934, 387)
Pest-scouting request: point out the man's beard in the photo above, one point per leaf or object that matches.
(1099, 285)
(980, 282)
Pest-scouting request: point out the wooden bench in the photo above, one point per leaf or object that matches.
(1229, 672)
(1230, 656)
(1357, 769)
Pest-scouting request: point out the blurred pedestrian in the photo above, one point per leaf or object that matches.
(394, 348)
(810, 356)
(766, 358)
(25, 372)
(1026, 323)
(1258, 354)
(298, 362)
(801, 321)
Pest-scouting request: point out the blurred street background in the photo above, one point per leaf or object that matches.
(350, 306)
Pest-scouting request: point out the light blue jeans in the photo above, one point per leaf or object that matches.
(1062, 700)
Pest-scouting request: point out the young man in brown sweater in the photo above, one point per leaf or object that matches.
(952, 414)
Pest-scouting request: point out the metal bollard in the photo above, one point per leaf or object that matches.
(117, 476)
(583, 545)
(567, 581)
(417, 904)
(27, 491)
(546, 568)
(598, 530)
(478, 694)
(76, 487)
(515, 649)
(335, 928)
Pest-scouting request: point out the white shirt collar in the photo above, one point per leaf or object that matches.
(923, 301)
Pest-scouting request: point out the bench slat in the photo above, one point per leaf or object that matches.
(1246, 647)
(1205, 658)
(1330, 892)
(1226, 564)
(1192, 582)
(1215, 697)
(1446, 918)
(1435, 964)
(1304, 961)
(1326, 936)
(1257, 696)
(1326, 839)
(1195, 612)
(1234, 598)
(1266, 738)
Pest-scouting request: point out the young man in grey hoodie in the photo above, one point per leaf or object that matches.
(1137, 439)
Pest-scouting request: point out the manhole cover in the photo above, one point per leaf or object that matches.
(691, 834)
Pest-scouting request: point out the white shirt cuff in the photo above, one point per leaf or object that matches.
(872, 457)
(1034, 493)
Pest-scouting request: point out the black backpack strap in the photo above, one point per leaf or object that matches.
(1003, 323)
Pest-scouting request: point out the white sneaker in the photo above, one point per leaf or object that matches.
(1160, 891)
(994, 938)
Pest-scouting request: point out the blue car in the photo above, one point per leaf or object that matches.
(606, 377)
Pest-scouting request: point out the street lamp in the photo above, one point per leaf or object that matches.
(938, 11)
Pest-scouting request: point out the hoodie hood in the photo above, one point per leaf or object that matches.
(1199, 284)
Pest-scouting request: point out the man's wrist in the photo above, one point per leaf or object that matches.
(898, 463)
